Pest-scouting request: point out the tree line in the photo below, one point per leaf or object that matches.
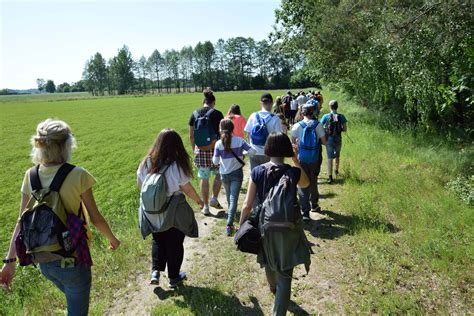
(234, 64)
(411, 59)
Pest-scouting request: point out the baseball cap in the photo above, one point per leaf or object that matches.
(266, 97)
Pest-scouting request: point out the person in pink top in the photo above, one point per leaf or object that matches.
(237, 119)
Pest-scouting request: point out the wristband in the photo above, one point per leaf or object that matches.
(9, 260)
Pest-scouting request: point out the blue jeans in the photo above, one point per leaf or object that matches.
(280, 283)
(232, 183)
(74, 282)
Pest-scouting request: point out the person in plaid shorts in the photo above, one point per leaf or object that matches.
(203, 158)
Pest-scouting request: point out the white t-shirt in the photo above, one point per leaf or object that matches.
(226, 160)
(174, 177)
(294, 105)
(301, 99)
(297, 130)
(273, 126)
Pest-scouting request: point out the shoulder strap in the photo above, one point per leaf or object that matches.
(238, 158)
(209, 112)
(302, 124)
(257, 116)
(196, 115)
(61, 176)
(164, 169)
(34, 178)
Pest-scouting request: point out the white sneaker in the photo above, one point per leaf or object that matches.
(205, 210)
(306, 218)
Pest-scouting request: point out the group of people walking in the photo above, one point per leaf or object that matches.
(61, 194)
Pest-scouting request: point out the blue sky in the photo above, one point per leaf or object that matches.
(53, 39)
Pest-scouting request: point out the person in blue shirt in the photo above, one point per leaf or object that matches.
(335, 124)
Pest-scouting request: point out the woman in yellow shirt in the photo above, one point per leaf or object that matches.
(52, 146)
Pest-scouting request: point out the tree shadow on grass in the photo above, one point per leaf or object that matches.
(335, 225)
(208, 301)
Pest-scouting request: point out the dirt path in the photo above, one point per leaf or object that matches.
(318, 292)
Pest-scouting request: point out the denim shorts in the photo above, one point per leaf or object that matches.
(205, 173)
(333, 147)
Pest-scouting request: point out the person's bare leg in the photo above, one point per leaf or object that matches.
(337, 165)
(205, 191)
(216, 187)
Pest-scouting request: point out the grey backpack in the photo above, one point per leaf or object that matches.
(153, 192)
(280, 210)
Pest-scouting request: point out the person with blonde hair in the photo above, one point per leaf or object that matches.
(67, 262)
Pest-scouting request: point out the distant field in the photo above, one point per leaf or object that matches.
(408, 244)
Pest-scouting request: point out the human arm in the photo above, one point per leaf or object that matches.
(189, 190)
(8, 269)
(248, 203)
(216, 157)
(98, 220)
(191, 137)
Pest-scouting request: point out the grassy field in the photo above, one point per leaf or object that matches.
(403, 241)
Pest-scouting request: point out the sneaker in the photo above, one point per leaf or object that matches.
(174, 283)
(330, 180)
(316, 209)
(205, 210)
(229, 230)
(306, 218)
(155, 277)
(215, 204)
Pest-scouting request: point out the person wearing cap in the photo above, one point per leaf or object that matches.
(272, 124)
(334, 143)
(309, 197)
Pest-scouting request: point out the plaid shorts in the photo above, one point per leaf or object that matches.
(203, 159)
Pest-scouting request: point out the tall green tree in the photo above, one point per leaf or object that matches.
(156, 64)
(50, 87)
(40, 83)
(95, 74)
(142, 71)
(121, 68)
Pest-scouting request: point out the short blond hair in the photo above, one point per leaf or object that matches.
(53, 142)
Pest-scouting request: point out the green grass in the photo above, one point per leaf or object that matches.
(410, 239)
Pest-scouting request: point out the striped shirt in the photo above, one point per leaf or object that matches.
(228, 163)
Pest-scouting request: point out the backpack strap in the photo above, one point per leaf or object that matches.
(302, 124)
(209, 112)
(61, 176)
(164, 169)
(196, 115)
(34, 179)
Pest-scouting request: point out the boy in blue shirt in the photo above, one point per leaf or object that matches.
(335, 124)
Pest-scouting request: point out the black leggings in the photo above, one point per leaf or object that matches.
(167, 249)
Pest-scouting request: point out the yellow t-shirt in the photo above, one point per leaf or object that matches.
(78, 181)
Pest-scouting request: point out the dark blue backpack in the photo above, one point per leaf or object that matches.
(308, 149)
(259, 132)
(204, 133)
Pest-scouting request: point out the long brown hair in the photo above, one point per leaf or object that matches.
(169, 148)
(227, 127)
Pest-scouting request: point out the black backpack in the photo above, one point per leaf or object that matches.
(204, 133)
(43, 222)
(280, 210)
(334, 125)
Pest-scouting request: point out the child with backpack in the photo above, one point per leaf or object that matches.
(203, 134)
(238, 119)
(167, 159)
(228, 152)
(335, 124)
(284, 245)
(259, 126)
(51, 230)
(308, 135)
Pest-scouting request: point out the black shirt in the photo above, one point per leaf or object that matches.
(215, 117)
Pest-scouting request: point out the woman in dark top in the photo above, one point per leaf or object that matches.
(282, 251)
